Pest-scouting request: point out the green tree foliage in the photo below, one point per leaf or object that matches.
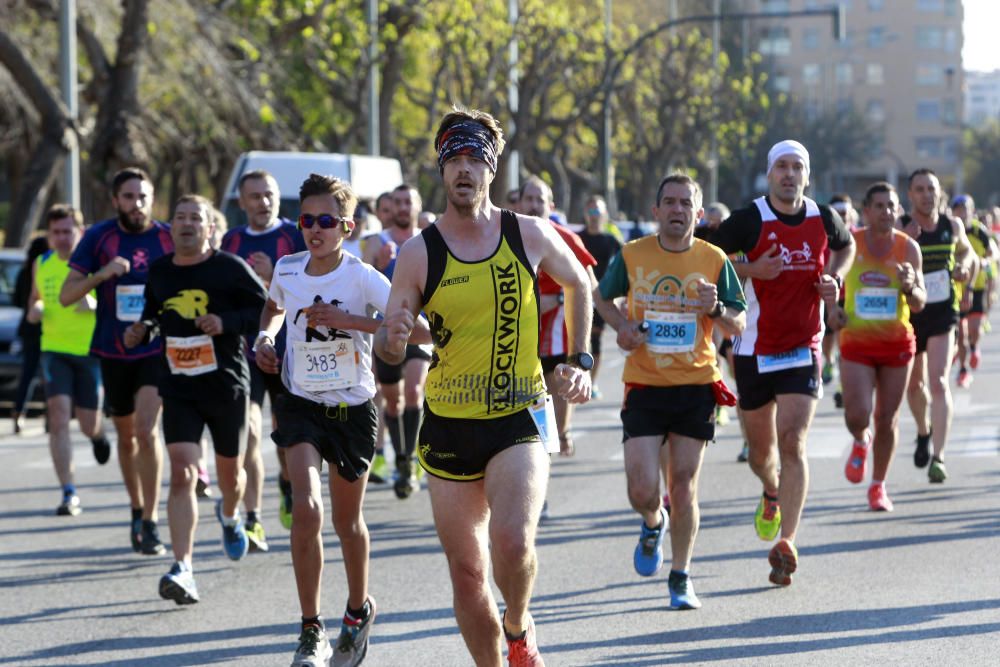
(981, 160)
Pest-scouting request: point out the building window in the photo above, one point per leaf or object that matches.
(774, 41)
(930, 75)
(949, 112)
(876, 37)
(930, 5)
(812, 109)
(876, 111)
(950, 40)
(928, 111)
(844, 105)
(810, 39)
(930, 37)
(928, 147)
(876, 5)
(810, 74)
(782, 83)
(775, 5)
(950, 149)
(875, 74)
(844, 74)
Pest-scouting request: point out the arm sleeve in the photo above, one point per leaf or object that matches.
(84, 259)
(737, 233)
(615, 281)
(251, 297)
(275, 293)
(836, 230)
(729, 288)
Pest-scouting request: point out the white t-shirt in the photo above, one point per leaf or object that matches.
(328, 371)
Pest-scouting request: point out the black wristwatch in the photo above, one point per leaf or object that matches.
(717, 310)
(582, 360)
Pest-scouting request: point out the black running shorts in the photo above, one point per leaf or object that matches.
(185, 421)
(344, 435)
(687, 410)
(757, 389)
(123, 378)
(459, 449)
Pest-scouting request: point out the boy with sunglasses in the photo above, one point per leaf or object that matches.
(327, 412)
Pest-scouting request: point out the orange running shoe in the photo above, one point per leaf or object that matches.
(854, 471)
(878, 499)
(784, 559)
(523, 651)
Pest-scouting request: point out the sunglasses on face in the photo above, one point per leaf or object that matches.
(324, 221)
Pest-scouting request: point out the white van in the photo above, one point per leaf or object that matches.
(368, 175)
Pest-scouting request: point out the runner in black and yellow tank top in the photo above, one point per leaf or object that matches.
(947, 259)
(473, 273)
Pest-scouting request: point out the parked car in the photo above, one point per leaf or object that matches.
(10, 317)
(368, 175)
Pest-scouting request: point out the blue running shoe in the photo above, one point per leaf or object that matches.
(178, 585)
(235, 542)
(648, 558)
(682, 594)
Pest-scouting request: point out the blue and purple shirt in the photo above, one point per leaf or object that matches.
(120, 300)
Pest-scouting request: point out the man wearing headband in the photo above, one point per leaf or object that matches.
(948, 260)
(486, 428)
(785, 237)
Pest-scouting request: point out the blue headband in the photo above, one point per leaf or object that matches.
(471, 138)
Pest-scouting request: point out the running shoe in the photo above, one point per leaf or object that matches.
(838, 399)
(523, 651)
(937, 472)
(135, 531)
(827, 375)
(178, 585)
(203, 486)
(784, 559)
(314, 648)
(878, 499)
(352, 644)
(767, 520)
(964, 380)
(406, 483)
(235, 542)
(682, 595)
(721, 415)
(255, 533)
(102, 449)
(70, 506)
(151, 544)
(857, 462)
(974, 358)
(648, 556)
(922, 454)
(744, 454)
(379, 471)
(285, 506)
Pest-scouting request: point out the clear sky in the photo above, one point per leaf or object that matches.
(982, 23)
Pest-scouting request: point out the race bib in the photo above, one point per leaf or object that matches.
(191, 355)
(876, 303)
(325, 365)
(771, 363)
(670, 333)
(544, 414)
(129, 302)
(938, 284)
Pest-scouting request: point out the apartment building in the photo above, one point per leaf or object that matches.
(900, 65)
(982, 98)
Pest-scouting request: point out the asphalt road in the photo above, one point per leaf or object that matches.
(918, 586)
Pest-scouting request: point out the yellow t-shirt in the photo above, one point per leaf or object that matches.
(66, 329)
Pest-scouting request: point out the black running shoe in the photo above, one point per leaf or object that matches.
(102, 449)
(135, 532)
(922, 454)
(151, 544)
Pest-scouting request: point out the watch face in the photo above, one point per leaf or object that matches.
(584, 361)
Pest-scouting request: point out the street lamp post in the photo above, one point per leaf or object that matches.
(68, 88)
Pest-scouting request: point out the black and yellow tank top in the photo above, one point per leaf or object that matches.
(484, 322)
(938, 250)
